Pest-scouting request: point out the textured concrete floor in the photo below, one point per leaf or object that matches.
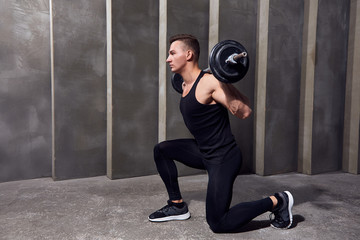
(327, 206)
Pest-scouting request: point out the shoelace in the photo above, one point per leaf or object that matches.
(164, 209)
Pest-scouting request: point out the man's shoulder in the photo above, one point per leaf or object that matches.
(208, 80)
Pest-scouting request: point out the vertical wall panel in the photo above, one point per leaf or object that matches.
(80, 88)
(25, 111)
(185, 16)
(135, 86)
(243, 15)
(283, 85)
(329, 89)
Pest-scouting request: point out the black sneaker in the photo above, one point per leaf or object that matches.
(170, 212)
(283, 215)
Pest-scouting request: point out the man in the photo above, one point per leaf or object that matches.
(204, 104)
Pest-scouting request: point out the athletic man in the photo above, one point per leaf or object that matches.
(204, 106)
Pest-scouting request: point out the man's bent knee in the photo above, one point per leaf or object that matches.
(215, 226)
(157, 151)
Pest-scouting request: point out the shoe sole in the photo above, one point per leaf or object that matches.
(290, 205)
(171, 218)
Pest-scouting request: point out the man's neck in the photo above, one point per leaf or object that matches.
(189, 76)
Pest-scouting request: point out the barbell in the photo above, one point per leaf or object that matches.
(228, 62)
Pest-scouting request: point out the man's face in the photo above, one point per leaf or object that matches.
(177, 56)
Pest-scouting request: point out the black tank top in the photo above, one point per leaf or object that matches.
(208, 123)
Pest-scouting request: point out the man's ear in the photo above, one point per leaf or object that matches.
(189, 55)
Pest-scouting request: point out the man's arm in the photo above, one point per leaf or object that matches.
(237, 103)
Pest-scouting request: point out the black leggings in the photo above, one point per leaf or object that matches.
(221, 179)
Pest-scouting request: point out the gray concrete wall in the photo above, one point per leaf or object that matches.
(135, 86)
(238, 22)
(329, 89)
(80, 88)
(283, 85)
(79, 53)
(25, 109)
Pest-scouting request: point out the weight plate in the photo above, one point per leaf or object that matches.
(228, 72)
(177, 81)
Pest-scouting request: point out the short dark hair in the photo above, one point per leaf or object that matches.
(190, 41)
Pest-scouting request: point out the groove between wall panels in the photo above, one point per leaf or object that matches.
(260, 84)
(53, 158)
(162, 69)
(307, 86)
(352, 98)
(109, 90)
(213, 23)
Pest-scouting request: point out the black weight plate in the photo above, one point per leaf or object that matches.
(227, 72)
(177, 81)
